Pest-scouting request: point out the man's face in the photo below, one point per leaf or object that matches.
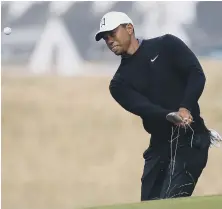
(118, 40)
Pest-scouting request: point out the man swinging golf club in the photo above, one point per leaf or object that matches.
(161, 81)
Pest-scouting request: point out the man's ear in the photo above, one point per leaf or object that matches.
(130, 28)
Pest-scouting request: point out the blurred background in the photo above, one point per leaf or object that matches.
(65, 141)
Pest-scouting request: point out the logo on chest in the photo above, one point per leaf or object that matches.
(153, 60)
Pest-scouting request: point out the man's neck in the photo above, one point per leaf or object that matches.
(133, 46)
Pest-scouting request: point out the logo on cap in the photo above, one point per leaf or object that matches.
(103, 22)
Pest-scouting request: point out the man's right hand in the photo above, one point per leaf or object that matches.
(185, 115)
(179, 119)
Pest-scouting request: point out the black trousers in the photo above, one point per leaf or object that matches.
(174, 174)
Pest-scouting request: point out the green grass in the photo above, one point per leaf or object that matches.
(208, 202)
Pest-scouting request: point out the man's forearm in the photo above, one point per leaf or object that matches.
(194, 89)
(136, 103)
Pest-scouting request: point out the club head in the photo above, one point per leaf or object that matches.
(173, 117)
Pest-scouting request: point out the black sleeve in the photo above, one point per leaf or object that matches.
(134, 102)
(188, 65)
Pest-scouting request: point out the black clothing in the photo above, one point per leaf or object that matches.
(153, 88)
(160, 77)
(161, 179)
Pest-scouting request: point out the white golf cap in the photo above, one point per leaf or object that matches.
(110, 21)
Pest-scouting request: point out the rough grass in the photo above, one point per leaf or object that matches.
(67, 144)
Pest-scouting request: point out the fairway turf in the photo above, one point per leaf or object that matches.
(208, 202)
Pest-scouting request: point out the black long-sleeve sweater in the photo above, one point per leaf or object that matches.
(160, 77)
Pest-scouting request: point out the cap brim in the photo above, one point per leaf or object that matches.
(99, 35)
